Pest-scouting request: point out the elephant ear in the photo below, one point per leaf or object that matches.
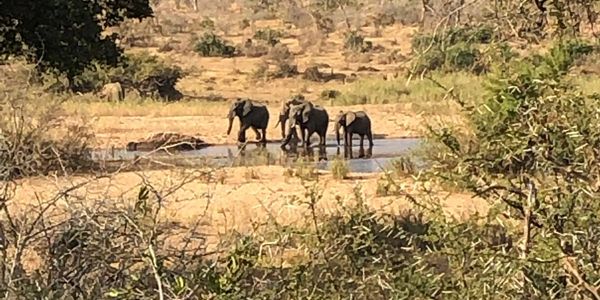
(247, 107)
(231, 113)
(305, 112)
(350, 117)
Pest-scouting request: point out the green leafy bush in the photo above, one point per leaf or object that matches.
(533, 154)
(210, 45)
(454, 50)
(143, 72)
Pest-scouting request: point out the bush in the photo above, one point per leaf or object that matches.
(143, 72)
(210, 45)
(151, 76)
(353, 41)
(270, 36)
(532, 154)
(340, 169)
(283, 61)
(453, 36)
(36, 138)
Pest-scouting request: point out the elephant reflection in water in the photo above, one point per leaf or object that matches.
(362, 152)
(310, 152)
(306, 152)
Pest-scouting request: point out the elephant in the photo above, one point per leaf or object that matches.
(252, 115)
(113, 92)
(353, 122)
(285, 110)
(310, 118)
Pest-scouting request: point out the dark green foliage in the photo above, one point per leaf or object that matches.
(455, 35)
(458, 49)
(143, 72)
(65, 35)
(211, 45)
(271, 36)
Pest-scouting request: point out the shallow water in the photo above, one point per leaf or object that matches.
(377, 159)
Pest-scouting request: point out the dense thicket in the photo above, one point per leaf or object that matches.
(65, 35)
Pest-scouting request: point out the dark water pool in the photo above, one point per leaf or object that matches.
(375, 159)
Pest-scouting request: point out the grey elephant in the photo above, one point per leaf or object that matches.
(353, 122)
(285, 110)
(311, 119)
(113, 92)
(252, 115)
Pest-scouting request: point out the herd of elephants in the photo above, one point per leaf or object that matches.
(303, 114)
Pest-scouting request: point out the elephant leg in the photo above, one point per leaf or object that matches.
(258, 136)
(264, 136)
(349, 139)
(322, 139)
(362, 139)
(305, 136)
(242, 133)
(370, 137)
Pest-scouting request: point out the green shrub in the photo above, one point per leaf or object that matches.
(210, 45)
(454, 50)
(340, 169)
(143, 72)
(533, 154)
(271, 36)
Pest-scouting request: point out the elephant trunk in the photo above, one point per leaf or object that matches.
(282, 119)
(230, 124)
(337, 133)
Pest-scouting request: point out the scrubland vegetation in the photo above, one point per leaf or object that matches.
(505, 94)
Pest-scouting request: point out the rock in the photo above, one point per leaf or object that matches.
(168, 141)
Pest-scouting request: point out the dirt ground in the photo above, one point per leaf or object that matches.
(236, 198)
(227, 78)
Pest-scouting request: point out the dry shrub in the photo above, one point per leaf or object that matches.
(391, 57)
(299, 17)
(311, 40)
(279, 63)
(254, 48)
(36, 137)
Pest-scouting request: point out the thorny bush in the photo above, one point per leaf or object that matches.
(534, 155)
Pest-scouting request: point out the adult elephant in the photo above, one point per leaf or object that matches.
(285, 110)
(311, 119)
(353, 122)
(252, 115)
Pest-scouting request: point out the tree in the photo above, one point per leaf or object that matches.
(534, 154)
(65, 35)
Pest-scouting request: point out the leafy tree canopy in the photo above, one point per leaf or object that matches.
(65, 35)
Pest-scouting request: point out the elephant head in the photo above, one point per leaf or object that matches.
(299, 113)
(240, 108)
(285, 110)
(343, 119)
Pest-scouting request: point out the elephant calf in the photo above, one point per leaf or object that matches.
(353, 122)
(113, 92)
(252, 115)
